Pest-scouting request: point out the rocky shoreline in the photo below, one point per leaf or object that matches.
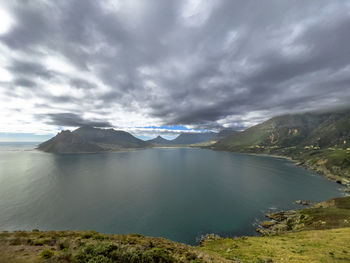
(329, 214)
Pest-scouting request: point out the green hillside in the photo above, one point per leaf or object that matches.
(299, 130)
(318, 141)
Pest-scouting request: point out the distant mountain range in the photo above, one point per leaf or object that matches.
(192, 138)
(313, 130)
(90, 140)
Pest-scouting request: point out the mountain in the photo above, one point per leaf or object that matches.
(68, 142)
(110, 136)
(89, 140)
(298, 130)
(159, 140)
(192, 138)
(224, 133)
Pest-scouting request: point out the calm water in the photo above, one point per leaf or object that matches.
(179, 194)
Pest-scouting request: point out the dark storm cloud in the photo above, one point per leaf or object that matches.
(203, 63)
(72, 120)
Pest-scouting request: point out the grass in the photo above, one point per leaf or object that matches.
(334, 213)
(306, 246)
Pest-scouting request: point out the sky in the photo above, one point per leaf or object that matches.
(167, 67)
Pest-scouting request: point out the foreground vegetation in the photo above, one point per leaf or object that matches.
(92, 247)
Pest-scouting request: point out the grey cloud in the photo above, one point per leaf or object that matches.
(241, 57)
(72, 120)
(24, 82)
(30, 69)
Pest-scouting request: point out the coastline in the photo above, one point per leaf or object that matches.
(301, 163)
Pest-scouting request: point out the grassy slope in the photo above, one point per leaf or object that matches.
(305, 246)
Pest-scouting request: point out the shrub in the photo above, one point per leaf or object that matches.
(46, 254)
(16, 241)
(92, 252)
(99, 237)
(191, 256)
(39, 243)
(106, 253)
(157, 255)
(63, 245)
(87, 236)
(64, 257)
(100, 259)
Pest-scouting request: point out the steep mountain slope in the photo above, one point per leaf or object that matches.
(68, 142)
(192, 138)
(159, 140)
(309, 129)
(89, 140)
(224, 133)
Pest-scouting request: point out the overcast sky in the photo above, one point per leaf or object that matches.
(142, 65)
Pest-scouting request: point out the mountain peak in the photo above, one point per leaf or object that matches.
(159, 140)
(91, 139)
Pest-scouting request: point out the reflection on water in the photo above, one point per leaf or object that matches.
(174, 193)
